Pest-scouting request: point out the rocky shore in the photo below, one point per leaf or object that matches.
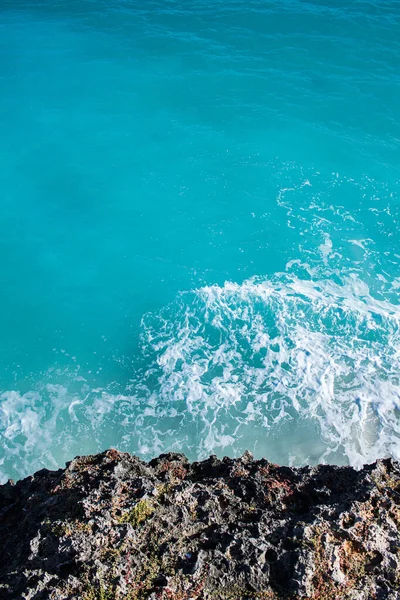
(112, 527)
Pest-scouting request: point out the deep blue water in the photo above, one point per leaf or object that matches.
(199, 229)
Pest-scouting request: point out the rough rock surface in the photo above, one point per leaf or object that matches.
(110, 526)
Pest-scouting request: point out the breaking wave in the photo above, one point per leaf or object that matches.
(298, 368)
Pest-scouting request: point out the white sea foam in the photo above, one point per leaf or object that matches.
(299, 370)
(303, 366)
(286, 354)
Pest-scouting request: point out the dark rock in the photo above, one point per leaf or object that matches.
(112, 527)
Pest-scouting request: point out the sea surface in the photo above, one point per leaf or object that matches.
(200, 235)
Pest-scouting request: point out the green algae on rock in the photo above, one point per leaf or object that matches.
(112, 527)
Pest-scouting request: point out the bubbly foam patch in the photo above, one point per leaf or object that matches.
(298, 370)
(284, 357)
(300, 367)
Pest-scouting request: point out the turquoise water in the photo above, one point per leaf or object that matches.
(199, 229)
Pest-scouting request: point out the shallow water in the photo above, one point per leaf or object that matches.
(200, 230)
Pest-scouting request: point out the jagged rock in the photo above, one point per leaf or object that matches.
(110, 527)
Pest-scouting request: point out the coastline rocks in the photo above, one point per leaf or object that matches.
(111, 527)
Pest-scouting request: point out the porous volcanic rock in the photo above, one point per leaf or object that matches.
(112, 527)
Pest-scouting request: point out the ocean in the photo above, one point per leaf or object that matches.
(200, 239)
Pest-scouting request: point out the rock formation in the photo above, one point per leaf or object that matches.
(112, 527)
